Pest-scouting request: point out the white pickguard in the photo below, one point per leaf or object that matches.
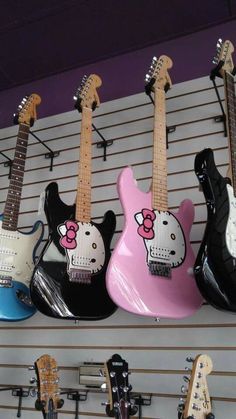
(89, 253)
(16, 250)
(168, 243)
(231, 224)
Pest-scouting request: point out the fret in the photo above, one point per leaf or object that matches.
(12, 205)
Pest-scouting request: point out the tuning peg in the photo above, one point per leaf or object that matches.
(219, 42)
(33, 380)
(103, 387)
(147, 77)
(189, 359)
(187, 369)
(105, 403)
(196, 396)
(186, 379)
(112, 374)
(195, 406)
(114, 389)
(31, 368)
(183, 389)
(33, 392)
(125, 373)
(154, 59)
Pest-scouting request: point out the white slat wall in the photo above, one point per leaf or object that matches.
(155, 352)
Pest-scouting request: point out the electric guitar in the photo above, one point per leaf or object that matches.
(17, 249)
(151, 269)
(69, 279)
(48, 398)
(119, 406)
(198, 402)
(215, 267)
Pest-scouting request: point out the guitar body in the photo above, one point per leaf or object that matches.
(17, 255)
(129, 282)
(52, 291)
(215, 266)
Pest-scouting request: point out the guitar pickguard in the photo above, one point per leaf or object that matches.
(85, 250)
(164, 240)
(16, 254)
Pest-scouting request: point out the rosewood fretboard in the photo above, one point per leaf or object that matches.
(12, 205)
(231, 122)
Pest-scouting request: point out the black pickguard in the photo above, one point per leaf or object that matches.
(215, 268)
(84, 302)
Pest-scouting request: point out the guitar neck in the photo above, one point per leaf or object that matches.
(231, 122)
(12, 205)
(159, 171)
(83, 198)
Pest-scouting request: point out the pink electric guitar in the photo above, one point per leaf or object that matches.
(151, 269)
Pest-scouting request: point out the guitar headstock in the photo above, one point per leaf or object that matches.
(48, 390)
(198, 403)
(26, 111)
(157, 76)
(223, 58)
(116, 371)
(86, 94)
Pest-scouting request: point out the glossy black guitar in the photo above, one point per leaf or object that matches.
(69, 279)
(215, 266)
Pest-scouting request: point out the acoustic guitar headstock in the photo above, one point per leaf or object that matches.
(116, 371)
(198, 403)
(48, 390)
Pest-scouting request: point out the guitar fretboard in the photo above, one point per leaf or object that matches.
(12, 205)
(231, 122)
(159, 170)
(83, 198)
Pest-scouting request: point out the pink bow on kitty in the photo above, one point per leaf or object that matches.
(145, 230)
(68, 240)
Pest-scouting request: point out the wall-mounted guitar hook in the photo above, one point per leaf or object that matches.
(77, 396)
(140, 400)
(102, 144)
(51, 155)
(7, 163)
(222, 117)
(20, 392)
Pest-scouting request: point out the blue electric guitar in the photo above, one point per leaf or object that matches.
(17, 249)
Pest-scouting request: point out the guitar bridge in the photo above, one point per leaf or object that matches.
(81, 276)
(160, 269)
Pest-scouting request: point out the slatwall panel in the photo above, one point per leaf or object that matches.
(155, 351)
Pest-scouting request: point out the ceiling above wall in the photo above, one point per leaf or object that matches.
(40, 38)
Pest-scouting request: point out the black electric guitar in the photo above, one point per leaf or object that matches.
(215, 266)
(198, 403)
(69, 279)
(119, 406)
(48, 398)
